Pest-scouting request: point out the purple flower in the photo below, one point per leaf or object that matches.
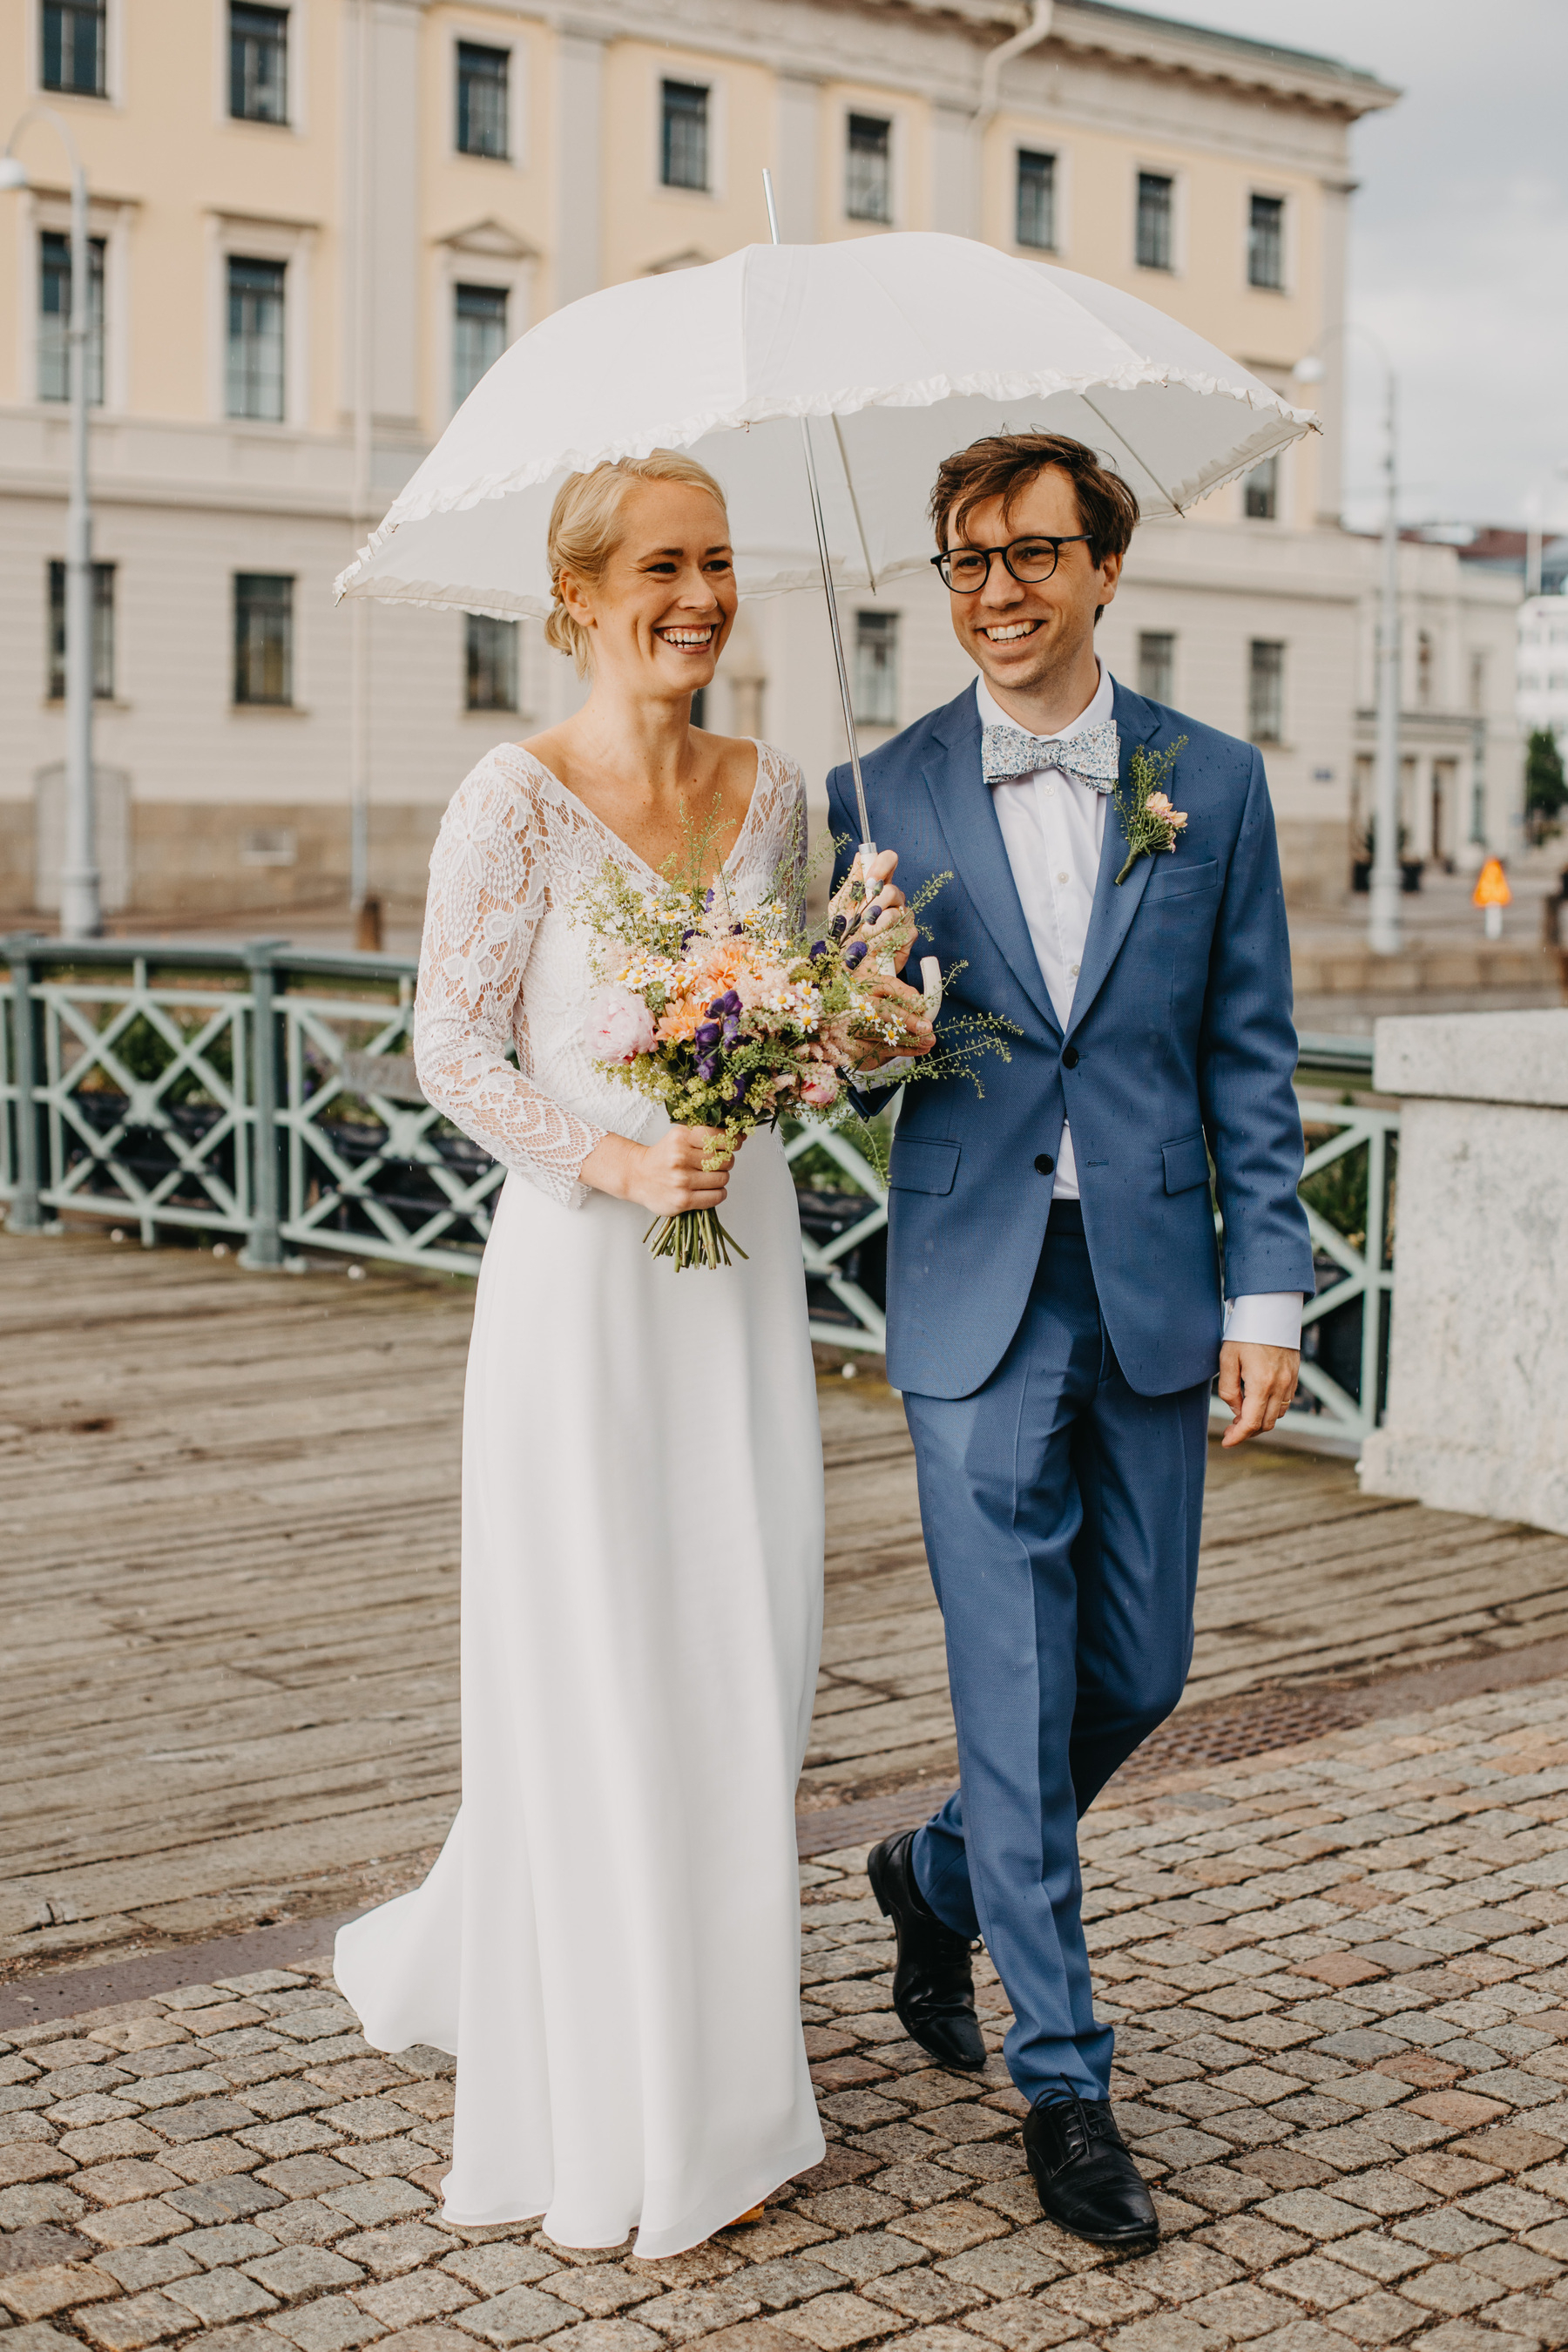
(872, 917)
(742, 1083)
(838, 926)
(706, 1037)
(854, 953)
(818, 949)
(707, 1067)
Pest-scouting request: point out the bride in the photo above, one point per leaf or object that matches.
(609, 1940)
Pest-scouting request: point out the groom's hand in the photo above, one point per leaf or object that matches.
(1258, 1383)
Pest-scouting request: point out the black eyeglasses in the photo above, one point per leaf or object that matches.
(1029, 560)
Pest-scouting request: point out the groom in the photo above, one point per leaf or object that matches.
(1054, 1306)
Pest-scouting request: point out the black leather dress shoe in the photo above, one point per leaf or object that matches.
(1086, 2180)
(933, 1982)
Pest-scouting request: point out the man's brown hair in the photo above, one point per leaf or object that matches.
(1004, 465)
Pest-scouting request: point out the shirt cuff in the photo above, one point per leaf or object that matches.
(1268, 1319)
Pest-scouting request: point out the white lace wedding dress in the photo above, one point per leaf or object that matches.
(609, 1940)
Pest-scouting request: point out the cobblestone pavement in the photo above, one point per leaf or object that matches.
(1341, 1979)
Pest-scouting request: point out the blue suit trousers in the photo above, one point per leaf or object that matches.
(1062, 1514)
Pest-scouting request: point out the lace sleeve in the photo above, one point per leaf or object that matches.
(487, 899)
(784, 826)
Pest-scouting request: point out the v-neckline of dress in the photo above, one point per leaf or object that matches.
(620, 842)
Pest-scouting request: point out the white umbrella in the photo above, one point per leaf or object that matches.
(887, 352)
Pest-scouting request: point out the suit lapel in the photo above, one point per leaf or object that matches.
(1114, 907)
(967, 816)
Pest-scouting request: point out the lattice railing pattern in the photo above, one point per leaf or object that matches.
(270, 1095)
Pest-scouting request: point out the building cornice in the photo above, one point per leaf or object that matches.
(935, 51)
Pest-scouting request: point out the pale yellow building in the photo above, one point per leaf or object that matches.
(317, 222)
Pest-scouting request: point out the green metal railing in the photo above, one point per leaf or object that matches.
(265, 1094)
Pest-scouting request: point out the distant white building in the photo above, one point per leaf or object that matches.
(1543, 666)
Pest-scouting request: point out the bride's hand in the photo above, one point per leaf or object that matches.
(881, 892)
(666, 1177)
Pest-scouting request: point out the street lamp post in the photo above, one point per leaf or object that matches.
(1383, 930)
(80, 915)
(1383, 924)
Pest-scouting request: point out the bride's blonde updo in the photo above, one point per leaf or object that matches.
(585, 531)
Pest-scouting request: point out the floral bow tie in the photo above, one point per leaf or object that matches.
(1093, 756)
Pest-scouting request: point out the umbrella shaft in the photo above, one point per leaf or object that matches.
(837, 634)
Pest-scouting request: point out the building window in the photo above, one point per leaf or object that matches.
(255, 339)
(1260, 492)
(102, 632)
(1477, 683)
(1157, 192)
(491, 667)
(74, 46)
(868, 188)
(479, 336)
(1037, 223)
(483, 78)
(263, 637)
(54, 318)
(1157, 664)
(1265, 691)
(1424, 662)
(1266, 243)
(257, 63)
(683, 152)
(877, 668)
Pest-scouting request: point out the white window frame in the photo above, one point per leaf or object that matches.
(296, 97)
(486, 33)
(1019, 146)
(873, 102)
(1282, 196)
(1281, 495)
(49, 208)
(699, 72)
(1139, 634)
(1177, 176)
(257, 236)
(476, 256)
(1044, 140)
(113, 61)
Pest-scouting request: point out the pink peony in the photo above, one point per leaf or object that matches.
(820, 1087)
(619, 1026)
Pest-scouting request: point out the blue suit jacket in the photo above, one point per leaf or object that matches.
(1180, 1044)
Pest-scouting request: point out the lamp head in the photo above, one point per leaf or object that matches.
(1309, 369)
(13, 173)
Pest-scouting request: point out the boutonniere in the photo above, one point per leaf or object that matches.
(1149, 818)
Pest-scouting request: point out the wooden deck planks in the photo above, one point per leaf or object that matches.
(230, 1506)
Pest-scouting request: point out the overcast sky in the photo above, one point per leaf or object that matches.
(1458, 242)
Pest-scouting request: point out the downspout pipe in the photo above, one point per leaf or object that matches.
(1032, 34)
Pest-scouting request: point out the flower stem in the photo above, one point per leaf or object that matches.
(692, 1237)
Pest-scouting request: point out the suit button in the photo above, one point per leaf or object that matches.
(1069, 1058)
(1044, 1162)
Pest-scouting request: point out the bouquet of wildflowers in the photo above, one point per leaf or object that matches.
(731, 1014)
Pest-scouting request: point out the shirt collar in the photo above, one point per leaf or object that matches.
(1101, 706)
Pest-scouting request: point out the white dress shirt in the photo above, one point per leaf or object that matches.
(1053, 828)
